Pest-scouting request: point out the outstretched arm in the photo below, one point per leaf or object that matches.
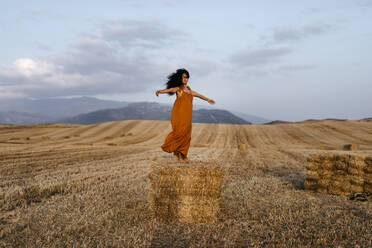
(196, 94)
(174, 90)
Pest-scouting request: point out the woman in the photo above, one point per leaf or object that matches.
(178, 141)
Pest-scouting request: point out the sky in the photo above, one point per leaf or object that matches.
(282, 60)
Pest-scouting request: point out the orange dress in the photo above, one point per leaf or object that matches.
(178, 141)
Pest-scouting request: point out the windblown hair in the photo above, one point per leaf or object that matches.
(175, 79)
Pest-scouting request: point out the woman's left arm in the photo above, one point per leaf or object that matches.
(196, 94)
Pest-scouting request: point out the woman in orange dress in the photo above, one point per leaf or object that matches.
(178, 141)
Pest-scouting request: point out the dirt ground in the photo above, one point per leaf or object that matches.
(64, 185)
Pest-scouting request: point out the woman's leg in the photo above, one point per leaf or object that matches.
(182, 157)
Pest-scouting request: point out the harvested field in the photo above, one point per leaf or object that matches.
(65, 185)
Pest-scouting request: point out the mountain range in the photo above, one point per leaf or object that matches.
(152, 111)
(89, 110)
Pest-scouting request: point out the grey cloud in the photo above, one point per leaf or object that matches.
(298, 33)
(259, 57)
(95, 64)
(152, 34)
(294, 68)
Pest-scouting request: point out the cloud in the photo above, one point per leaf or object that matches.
(152, 34)
(285, 69)
(118, 58)
(258, 57)
(290, 33)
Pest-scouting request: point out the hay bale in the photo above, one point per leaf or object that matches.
(357, 162)
(322, 190)
(368, 163)
(185, 193)
(355, 180)
(325, 174)
(312, 175)
(341, 165)
(323, 183)
(354, 171)
(312, 166)
(243, 146)
(356, 189)
(367, 187)
(339, 174)
(367, 177)
(311, 184)
(201, 209)
(351, 147)
(334, 190)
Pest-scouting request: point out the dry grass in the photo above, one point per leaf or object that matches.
(54, 193)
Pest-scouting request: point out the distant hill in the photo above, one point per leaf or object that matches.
(305, 121)
(58, 108)
(32, 111)
(278, 122)
(151, 111)
(14, 117)
(254, 119)
(216, 116)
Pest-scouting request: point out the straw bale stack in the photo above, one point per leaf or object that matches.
(339, 174)
(351, 147)
(185, 193)
(368, 175)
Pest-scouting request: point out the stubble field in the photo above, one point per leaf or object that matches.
(65, 185)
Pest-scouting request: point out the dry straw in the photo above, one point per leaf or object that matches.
(339, 174)
(185, 193)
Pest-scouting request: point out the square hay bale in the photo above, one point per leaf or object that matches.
(339, 174)
(324, 183)
(311, 184)
(354, 171)
(367, 187)
(368, 178)
(243, 146)
(186, 194)
(355, 180)
(312, 175)
(351, 147)
(368, 167)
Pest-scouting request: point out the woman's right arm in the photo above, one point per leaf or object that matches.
(170, 90)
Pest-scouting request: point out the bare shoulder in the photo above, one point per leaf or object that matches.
(189, 89)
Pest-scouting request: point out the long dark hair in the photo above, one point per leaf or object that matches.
(175, 79)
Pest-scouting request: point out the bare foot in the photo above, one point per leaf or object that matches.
(182, 158)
